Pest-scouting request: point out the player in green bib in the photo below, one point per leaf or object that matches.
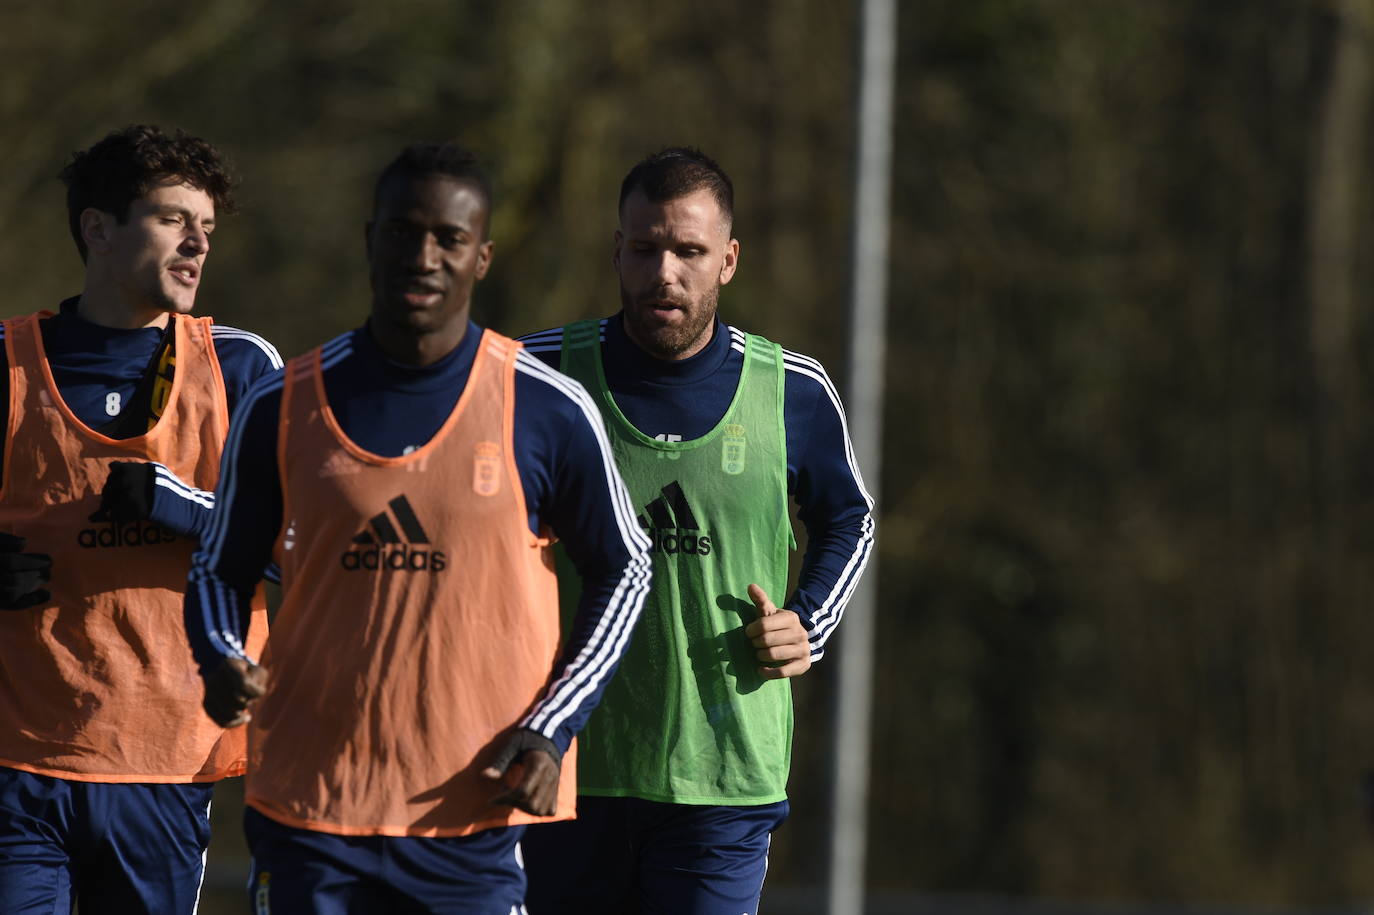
(713, 730)
(682, 773)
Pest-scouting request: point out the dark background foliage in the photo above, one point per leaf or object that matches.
(1124, 604)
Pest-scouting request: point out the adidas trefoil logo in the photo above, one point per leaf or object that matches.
(382, 545)
(671, 525)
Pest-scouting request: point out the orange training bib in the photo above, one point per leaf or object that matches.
(99, 684)
(419, 622)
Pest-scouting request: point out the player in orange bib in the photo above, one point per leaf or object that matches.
(414, 706)
(114, 412)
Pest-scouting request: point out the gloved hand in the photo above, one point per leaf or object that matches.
(21, 574)
(230, 690)
(128, 493)
(537, 791)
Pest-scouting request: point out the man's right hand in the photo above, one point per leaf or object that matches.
(536, 790)
(230, 690)
(22, 574)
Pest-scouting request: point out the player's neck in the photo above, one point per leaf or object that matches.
(628, 359)
(105, 305)
(417, 349)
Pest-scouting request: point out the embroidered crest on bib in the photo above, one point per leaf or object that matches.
(732, 450)
(486, 468)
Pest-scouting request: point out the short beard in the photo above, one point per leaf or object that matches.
(669, 343)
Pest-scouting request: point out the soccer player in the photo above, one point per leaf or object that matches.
(107, 761)
(683, 767)
(416, 708)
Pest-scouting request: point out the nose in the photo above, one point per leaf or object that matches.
(665, 268)
(196, 242)
(423, 255)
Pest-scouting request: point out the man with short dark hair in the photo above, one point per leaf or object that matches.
(411, 474)
(115, 410)
(683, 767)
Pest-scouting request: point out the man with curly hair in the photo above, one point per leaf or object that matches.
(115, 409)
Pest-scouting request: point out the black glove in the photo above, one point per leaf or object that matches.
(21, 574)
(128, 493)
(520, 740)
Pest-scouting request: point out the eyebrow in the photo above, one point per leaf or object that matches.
(653, 239)
(456, 228)
(171, 208)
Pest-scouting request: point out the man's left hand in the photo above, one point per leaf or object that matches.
(780, 640)
(128, 493)
(538, 757)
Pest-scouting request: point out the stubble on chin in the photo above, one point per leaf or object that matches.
(669, 341)
(172, 304)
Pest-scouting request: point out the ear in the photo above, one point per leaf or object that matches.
(95, 229)
(727, 266)
(484, 254)
(615, 252)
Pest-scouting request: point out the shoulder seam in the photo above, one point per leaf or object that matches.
(541, 336)
(528, 365)
(226, 332)
(335, 350)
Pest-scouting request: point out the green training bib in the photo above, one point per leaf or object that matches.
(687, 718)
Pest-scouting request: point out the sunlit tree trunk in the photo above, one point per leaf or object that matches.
(1335, 179)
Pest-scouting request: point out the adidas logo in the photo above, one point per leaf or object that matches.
(668, 518)
(135, 533)
(381, 545)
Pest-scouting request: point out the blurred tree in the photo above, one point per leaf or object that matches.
(1125, 596)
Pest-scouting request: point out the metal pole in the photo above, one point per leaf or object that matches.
(864, 397)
